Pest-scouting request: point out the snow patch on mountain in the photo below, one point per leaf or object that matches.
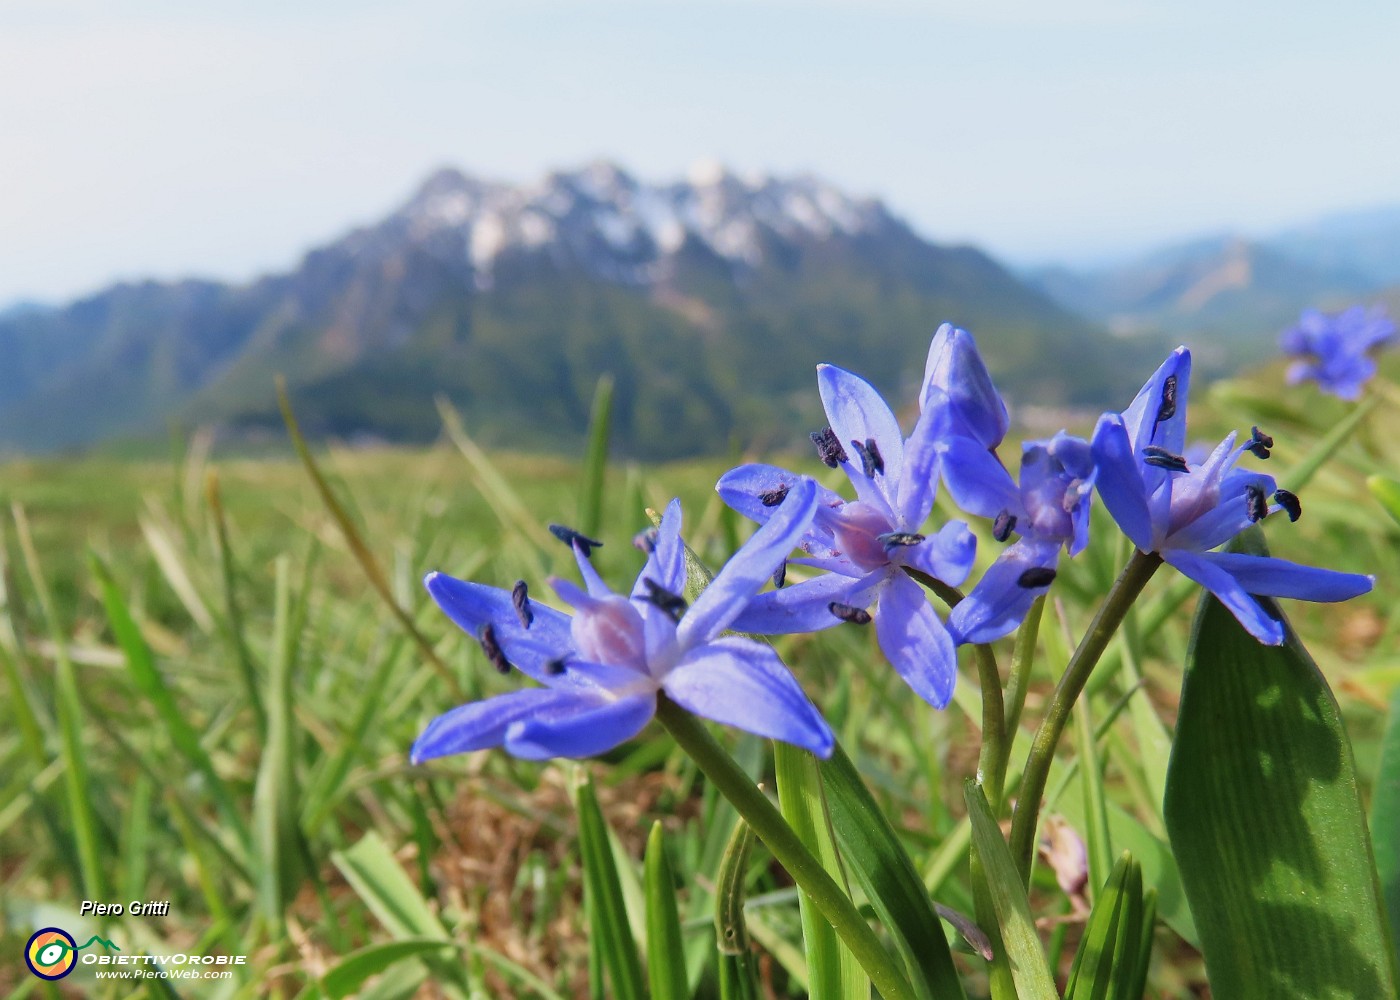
(626, 230)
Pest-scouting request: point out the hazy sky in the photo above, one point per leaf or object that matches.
(143, 137)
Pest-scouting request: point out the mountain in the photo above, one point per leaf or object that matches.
(1365, 242)
(709, 300)
(1228, 294)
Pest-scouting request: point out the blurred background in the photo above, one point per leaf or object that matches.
(500, 202)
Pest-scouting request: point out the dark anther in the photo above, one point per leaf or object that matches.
(1036, 576)
(1255, 503)
(1003, 526)
(645, 540)
(1167, 409)
(773, 497)
(520, 597)
(867, 460)
(895, 539)
(570, 537)
(877, 461)
(1163, 459)
(1259, 443)
(554, 667)
(829, 449)
(856, 616)
(492, 649)
(673, 604)
(780, 575)
(1290, 503)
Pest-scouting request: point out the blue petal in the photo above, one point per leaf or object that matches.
(918, 484)
(798, 607)
(743, 684)
(743, 488)
(1229, 517)
(472, 606)
(580, 728)
(858, 413)
(591, 579)
(947, 555)
(997, 605)
(977, 481)
(751, 567)
(1073, 453)
(666, 563)
(1272, 577)
(483, 724)
(1247, 611)
(955, 368)
(1140, 418)
(1119, 481)
(915, 641)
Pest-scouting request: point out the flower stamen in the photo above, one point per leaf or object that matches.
(1256, 504)
(848, 613)
(1036, 576)
(673, 604)
(895, 539)
(1003, 526)
(829, 448)
(1163, 459)
(492, 649)
(1289, 502)
(572, 538)
(1259, 443)
(520, 598)
(775, 496)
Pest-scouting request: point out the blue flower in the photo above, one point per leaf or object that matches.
(1334, 350)
(866, 544)
(1048, 509)
(1182, 512)
(602, 669)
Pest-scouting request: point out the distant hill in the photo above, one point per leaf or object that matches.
(709, 300)
(1366, 243)
(1229, 295)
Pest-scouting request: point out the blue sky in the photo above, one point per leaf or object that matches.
(152, 138)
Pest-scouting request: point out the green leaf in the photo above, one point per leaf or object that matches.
(610, 926)
(380, 882)
(1013, 910)
(1109, 958)
(832, 970)
(1100, 850)
(665, 948)
(1385, 818)
(1265, 820)
(346, 976)
(595, 462)
(882, 868)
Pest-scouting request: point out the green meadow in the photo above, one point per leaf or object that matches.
(214, 666)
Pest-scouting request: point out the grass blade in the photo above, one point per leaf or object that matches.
(601, 880)
(738, 974)
(665, 948)
(1013, 911)
(1385, 819)
(595, 462)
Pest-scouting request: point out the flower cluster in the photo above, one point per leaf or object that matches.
(866, 559)
(1334, 351)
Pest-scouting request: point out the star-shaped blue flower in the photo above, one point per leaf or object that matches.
(1182, 512)
(865, 544)
(1048, 509)
(1335, 350)
(602, 669)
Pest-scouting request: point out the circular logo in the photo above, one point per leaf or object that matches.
(51, 953)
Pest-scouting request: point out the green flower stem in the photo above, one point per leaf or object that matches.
(996, 746)
(765, 820)
(1022, 662)
(1081, 664)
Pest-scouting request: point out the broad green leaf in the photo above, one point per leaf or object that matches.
(609, 911)
(1385, 818)
(665, 949)
(349, 974)
(832, 970)
(1013, 910)
(880, 865)
(1266, 823)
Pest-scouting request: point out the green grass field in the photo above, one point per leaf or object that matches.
(211, 704)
